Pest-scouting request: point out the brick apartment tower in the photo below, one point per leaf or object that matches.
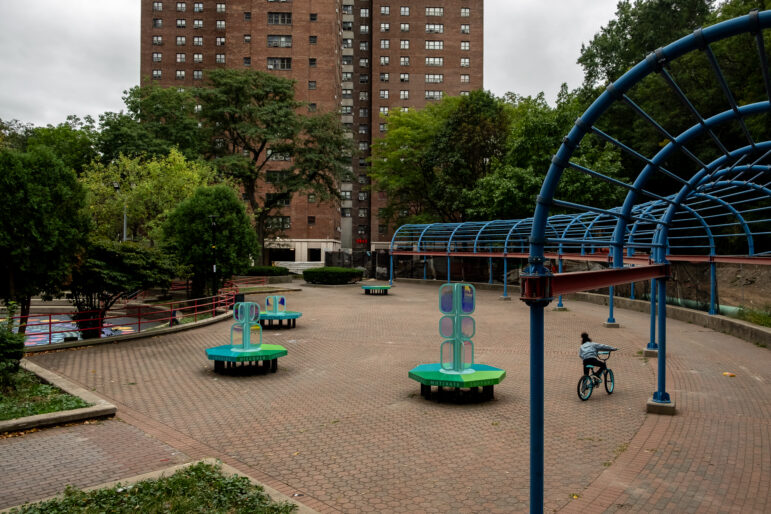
(359, 57)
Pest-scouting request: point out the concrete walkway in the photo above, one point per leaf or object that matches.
(343, 426)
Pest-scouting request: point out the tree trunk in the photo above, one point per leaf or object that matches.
(24, 305)
(90, 323)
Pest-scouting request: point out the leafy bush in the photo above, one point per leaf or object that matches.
(758, 317)
(29, 396)
(267, 271)
(11, 348)
(332, 275)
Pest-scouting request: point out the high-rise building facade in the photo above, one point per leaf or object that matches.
(363, 58)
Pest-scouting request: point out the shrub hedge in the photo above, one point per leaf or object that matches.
(267, 271)
(332, 275)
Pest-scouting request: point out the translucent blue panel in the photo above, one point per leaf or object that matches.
(446, 299)
(467, 326)
(447, 355)
(446, 326)
(468, 354)
(467, 299)
(282, 303)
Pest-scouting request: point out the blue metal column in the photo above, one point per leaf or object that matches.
(490, 269)
(652, 343)
(391, 267)
(631, 291)
(505, 275)
(611, 319)
(536, 406)
(661, 395)
(559, 300)
(448, 270)
(424, 267)
(712, 287)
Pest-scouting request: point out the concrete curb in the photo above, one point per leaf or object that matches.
(154, 475)
(99, 409)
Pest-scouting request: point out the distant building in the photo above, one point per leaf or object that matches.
(359, 57)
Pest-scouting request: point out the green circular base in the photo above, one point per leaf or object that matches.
(484, 375)
(225, 353)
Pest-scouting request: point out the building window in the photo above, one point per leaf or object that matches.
(364, 13)
(157, 40)
(385, 10)
(363, 95)
(278, 199)
(247, 38)
(313, 40)
(346, 109)
(347, 93)
(381, 229)
(362, 178)
(363, 145)
(220, 7)
(197, 75)
(247, 16)
(157, 6)
(464, 93)
(311, 198)
(404, 11)
(465, 62)
(363, 29)
(347, 76)
(220, 25)
(279, 41)
(311, 84)
(312, 107)
(181, 57)
(434, 78)
(362, 196)
(345, 212)
(465, 12)
(363, 112)
(181, 6)
(279, 18)
(180, 74)
(197, 57)
(465, 29)
(404, 94)
(434, 28)
(280, 63)
(347, 25)
(198, 7)
(197, 40)
(181, 23)
(363, 212)
(345, 195)
(197, 24)
(385, 60)
(311, 62)
(156, 74)
(220, 41)
(363, 79)
(434, 11)
(311, 220)
(465, 79)
(404, 27)
(314, 16)
(434, 45)
(404, 77)
(347, 9)
(434, 61)
(404, 61)
(384, 127)
(157, 56)
(433, 95)
(279, 222)
(385, 27)
(363, 129)
(363, 45)
(465, 45)
(181, 40)
(363, 63)
(219, 58)
(383, 93)
(384, 111)
(404, 44)
(157, 23)
(385, 43)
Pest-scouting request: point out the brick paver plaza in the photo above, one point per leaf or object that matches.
(341, 424)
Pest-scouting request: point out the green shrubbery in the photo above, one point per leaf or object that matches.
(267, 271)
(332, 275)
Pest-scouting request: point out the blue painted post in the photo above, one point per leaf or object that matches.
(631, 291)
(536, 406)
(652, 343)
(712, 287)
(391, 267)
(490, 269)
(424, 267)
(611, 319)
(448, 270)
(661, 395)
(505, 275)
(559, 300)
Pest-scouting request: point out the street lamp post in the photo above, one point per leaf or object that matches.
(117, 190)
(212, 217)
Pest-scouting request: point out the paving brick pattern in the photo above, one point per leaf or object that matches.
(343, 425)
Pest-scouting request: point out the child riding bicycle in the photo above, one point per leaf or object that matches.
(588, 353)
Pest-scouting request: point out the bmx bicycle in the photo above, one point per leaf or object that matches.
(587, 383)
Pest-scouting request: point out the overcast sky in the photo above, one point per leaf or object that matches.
(78, 56)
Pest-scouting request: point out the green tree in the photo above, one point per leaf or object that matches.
(262, 142)
(11, 347)
(148, 188)
(74, 141)
(156, 120)
(109, 271)
(14, 134)
(42, 224)
(190, 236)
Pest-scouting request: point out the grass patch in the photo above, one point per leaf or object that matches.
(28, 396)
(197, 488)
(762, 318)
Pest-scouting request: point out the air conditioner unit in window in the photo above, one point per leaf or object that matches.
(270, 66)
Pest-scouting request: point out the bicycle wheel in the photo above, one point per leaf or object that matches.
(585, 387)
(609, 382)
